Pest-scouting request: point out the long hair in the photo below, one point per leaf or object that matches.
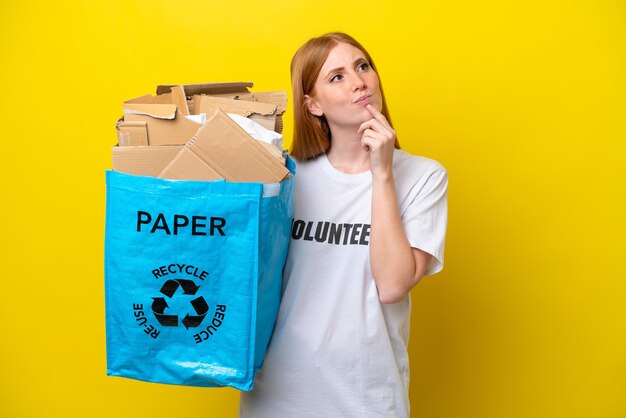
(311, 135)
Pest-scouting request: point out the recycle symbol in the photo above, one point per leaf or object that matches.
(169, 288)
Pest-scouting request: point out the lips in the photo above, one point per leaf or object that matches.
(363, 100)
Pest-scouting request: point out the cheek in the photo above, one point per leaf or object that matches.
(379, 96)
(338, 95)
(332, 100)
(375, 84)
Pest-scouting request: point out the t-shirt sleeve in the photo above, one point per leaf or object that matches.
(425, 219)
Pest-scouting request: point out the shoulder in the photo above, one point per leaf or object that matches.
(307, 165)
(415, 167)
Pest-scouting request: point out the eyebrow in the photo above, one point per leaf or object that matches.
(356, 61)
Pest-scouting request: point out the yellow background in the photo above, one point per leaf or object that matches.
(523, 102)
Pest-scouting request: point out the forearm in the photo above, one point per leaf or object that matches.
(391, 256)
(396, 266)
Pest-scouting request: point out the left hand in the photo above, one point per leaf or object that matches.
(378, 139)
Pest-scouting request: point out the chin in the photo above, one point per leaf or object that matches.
(365, 116)
(378, 106)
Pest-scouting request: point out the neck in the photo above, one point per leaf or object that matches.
(346, 152)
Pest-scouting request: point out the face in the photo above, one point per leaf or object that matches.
(344, 86)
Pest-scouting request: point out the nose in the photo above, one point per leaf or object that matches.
(358, 82)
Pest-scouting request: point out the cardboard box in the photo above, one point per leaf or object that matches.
(222, 149)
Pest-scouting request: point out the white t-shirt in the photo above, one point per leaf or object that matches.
(336, 351)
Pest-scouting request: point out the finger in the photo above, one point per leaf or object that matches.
(384, 138)
(375, 125)
(378, 116)
(372, 139)
(365, 143)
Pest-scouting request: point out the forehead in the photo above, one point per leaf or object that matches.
(342, 55)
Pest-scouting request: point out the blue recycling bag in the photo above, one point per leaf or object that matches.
(193, 276)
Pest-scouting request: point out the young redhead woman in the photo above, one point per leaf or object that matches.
(369, 223)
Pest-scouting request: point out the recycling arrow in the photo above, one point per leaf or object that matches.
(189, 287)
(170, 287)
(158, 309)
(201, 308)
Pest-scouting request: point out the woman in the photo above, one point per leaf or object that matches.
(369, 222)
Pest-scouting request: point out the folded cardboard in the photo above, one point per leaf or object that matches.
(278, 98)
(180, 99)
(229, 152)
(154, 130)
(275, 152)
(262, 113)
(187, 165)
(258, 132)
(132, 133)
(159, 111)
(165, 98)
(214, 89)
(176, 130)
(143, 160)
(236, 91)
(163, 115)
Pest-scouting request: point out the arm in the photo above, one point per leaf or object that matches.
(396, 267)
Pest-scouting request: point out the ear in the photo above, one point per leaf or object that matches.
(312, 106)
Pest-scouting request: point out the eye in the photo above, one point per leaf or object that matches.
(336, 77)
(364, 66)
